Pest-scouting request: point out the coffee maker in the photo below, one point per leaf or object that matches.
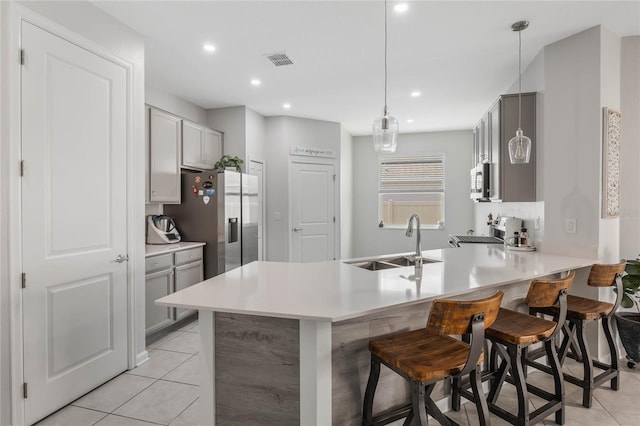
(161, 229)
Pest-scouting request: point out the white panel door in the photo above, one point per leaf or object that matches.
(74, 143)
(312, 212)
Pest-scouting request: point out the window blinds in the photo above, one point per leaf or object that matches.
(412, 174)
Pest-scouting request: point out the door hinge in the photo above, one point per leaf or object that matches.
(21, 56)
(24, 280)
(21, 168)
(25, 394)
(334, 219)
(334, 178)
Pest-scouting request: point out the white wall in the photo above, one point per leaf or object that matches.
(232, 122)
(255, 135)
(102, 29)
(572, 154)
(175, 105)
(371, 240)
(283, 133)
(630, 148)
(346, 194)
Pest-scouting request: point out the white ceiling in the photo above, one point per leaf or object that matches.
(459, 54)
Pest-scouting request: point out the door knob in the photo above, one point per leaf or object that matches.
(121, 258)
(297, 229)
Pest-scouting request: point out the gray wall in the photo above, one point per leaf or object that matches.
(370, 240)
(232, 122)
(175, 105)
(283, 133)
(630, 148)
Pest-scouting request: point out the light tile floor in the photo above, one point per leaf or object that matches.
(164, 391)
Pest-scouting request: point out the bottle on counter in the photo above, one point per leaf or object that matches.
(516, 239)
(524, 238)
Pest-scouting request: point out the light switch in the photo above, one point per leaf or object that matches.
(570, 226)
(276, 215)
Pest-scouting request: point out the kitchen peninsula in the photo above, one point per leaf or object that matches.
(286, 343)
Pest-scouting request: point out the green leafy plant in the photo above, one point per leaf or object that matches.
(631, 285)
(229, 161)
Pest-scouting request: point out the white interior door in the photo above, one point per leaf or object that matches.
(312, 212)
(74, 220)
(256, 168)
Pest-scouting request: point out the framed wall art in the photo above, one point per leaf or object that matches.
(611, 163)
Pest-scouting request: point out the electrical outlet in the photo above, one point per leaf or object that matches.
(536, 222)
(570, 226)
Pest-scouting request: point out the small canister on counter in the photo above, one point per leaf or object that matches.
(516, 239)
(524, 238)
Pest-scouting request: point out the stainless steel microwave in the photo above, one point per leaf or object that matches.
(480, 182)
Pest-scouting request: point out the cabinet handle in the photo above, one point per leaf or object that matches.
(153, 192)
(156, 264)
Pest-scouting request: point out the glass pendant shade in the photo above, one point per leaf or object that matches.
(519, 148)
(385, 133)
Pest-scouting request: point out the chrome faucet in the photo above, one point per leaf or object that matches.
(409, 233)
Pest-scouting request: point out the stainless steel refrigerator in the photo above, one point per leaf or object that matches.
(220, 209)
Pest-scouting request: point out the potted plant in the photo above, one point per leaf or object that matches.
(629, 322)
(229, 162)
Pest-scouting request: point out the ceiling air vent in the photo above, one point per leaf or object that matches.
(280, 59)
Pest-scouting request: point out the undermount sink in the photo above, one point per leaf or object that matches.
(389, 262)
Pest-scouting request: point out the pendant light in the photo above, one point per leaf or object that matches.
(385, 128)
(519, 145)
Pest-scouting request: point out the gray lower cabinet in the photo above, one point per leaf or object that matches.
(165, 274)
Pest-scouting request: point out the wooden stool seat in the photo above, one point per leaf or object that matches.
(421, 355)
(581, 308)
(426, 356)
(580, 311)
(519, 329)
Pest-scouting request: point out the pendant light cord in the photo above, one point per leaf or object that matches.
(519, 77)
(385, 57)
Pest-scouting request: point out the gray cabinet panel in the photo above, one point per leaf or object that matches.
(157, 285)
(165, 136)
(187, 275)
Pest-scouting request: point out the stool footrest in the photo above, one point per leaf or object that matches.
(391, 415)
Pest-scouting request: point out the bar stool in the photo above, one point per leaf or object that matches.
(426, 356)
(510, 334)
(580, 311)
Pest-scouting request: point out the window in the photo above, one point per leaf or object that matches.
(409, 185)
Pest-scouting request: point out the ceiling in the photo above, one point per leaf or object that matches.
(459, 54)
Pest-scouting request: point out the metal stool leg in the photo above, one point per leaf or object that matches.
(587, 366)
(515, 355)
(613, 350)
(374, 374)
(419, 401)
(479, 399)
(558, 380)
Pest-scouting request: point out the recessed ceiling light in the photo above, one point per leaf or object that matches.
(255, 82)
(409, 120)
(286, 106)
(415, 94)
(209, 47)
(402, 7)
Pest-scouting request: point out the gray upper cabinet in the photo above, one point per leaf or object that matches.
(508, 182)
(201, 146)
(165, 137)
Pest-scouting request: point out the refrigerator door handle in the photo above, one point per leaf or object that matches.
(298, 229)
(233, 229)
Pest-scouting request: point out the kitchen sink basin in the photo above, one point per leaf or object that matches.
(389, 262)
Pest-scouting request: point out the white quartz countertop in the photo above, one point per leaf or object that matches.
(336, 291)
(154, 250)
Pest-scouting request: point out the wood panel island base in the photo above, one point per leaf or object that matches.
(287, 344)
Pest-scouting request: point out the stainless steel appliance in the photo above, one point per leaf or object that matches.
(480, 182)
(503, 229)
(220, 209)
(161, 229)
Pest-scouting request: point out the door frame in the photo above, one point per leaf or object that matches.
(263, 211)
(336, 202)
(135, 197)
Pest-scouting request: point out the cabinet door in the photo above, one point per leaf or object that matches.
(165, 137)
(157, 285)
(211, 148)
(192, 144)
(188, 275)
